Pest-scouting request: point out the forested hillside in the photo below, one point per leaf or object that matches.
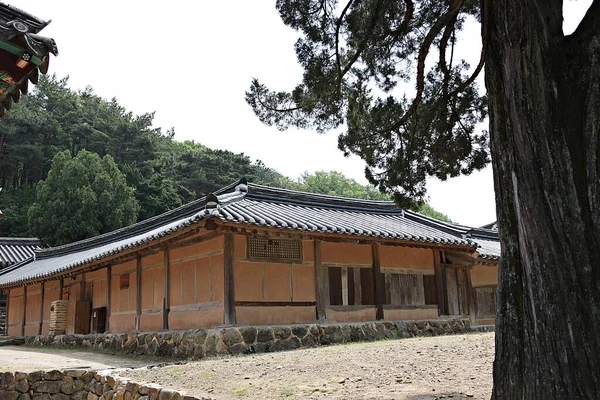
(162, 172)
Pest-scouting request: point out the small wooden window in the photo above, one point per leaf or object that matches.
(274, 249)
(124, 281)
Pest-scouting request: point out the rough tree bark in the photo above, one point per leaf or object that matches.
(544, 94)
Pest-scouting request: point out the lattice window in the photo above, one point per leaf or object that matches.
(274, 249)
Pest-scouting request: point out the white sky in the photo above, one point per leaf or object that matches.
(192, 61)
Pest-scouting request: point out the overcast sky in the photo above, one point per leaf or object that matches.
(192, 61)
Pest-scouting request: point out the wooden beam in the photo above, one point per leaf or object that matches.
(229, 317)
(61, 288)
(24, 311)
(439, 284)
(41, 309)
(166, 299)
(378, 282)
(138, 292)
(275, 303)
(322, 289)
(108, 282)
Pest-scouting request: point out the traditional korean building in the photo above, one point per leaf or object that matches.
(24, 54)
(13, 251)
(251, 254)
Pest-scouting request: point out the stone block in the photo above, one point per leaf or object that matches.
(299, 331)
(264, 335)
(153, 391)
(6, 379)
(20, 375)
(50, 387)
(249, 334)
(169, 394)
(281, 332)
(9, 395)
(132, 387)
(92, 396)
(59, 396)
(24, 396)
(231, 336)
(22, 385)
(53, 375)
(81, 395)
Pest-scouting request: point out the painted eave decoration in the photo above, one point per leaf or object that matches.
(23, 53)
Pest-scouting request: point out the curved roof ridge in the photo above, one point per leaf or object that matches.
(290, 196)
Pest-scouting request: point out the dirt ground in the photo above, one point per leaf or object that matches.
(14, 358)
(413, 369)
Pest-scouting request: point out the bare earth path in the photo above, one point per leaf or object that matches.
(416, 369)
(29, 359)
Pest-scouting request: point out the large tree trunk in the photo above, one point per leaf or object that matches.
(544, 93)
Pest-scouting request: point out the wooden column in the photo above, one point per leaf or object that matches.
(470, 295)
(108, 281)
(41, 323)
(166, 299)
(378, 283)
(229, 295)
(138, 292)
(61, 288)
(82, 288)
(439, 284)
(7, 309)
(322, 288)
(24, 310)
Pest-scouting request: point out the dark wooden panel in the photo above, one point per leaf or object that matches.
(463, 298)
(167, 291)
(138, 292)
(229, 296)
(335, 286)
(321, 283)
(452, 291)
(485, 298)
(351, 294)
(430, 289)
(366, 287)
(357, 287)
(379, 282)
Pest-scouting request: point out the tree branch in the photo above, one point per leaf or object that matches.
(423, 52)
(338, 26)
(484, 39)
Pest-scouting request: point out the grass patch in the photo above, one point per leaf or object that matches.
(241, 390)
(287, 393)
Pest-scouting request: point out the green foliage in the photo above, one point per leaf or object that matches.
(426, 209)
(355, 56)
(334, 183)
(83, 196)
(163, 172)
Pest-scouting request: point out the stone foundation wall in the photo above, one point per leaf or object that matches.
(201, 343)
(79, 384)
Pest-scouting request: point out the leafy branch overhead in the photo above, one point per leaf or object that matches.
(356, 56)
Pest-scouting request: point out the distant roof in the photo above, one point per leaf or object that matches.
(16, 250)
(23, 53)
(253, 205)
(492, 225)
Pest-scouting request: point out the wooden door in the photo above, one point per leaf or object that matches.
(82, 317)
(456, 290)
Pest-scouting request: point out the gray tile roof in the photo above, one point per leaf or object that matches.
(255, 205)
(15, 250)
